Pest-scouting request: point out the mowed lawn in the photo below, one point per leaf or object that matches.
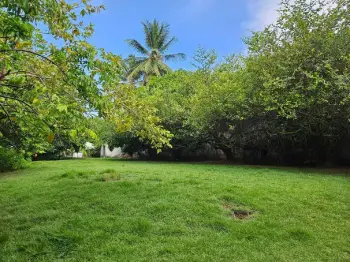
(110, 210)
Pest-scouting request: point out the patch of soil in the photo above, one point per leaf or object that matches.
(242, 214)
(239, 212)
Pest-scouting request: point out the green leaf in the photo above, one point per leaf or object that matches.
(50, 137)
(92, 134)
(62, 108)
(74, 133)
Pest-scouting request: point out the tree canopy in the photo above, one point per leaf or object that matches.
(50, 88)
(287, 101)
(152, 61)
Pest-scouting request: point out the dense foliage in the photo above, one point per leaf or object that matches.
(286, 102)
(52, 80)
(11, 160)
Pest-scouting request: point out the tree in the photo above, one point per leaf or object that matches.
(48, 90)
(130, 63)
(299, 70)
(152, 62)
(200, 107)
(45, 90)
(286, 102)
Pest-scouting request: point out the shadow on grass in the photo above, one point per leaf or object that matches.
(334, 171)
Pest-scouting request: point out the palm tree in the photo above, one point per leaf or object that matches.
(152, 62)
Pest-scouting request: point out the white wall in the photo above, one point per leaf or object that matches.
(105, 152)
(78, 155)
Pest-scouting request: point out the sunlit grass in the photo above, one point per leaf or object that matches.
(108, 210)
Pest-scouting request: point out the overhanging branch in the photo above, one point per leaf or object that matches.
(36, 54)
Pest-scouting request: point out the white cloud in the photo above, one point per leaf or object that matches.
(264, 12)
(261, 13)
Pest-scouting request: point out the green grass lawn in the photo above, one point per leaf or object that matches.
(109, 210)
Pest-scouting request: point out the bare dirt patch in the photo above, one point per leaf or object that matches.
(242, 214)
(239, 212)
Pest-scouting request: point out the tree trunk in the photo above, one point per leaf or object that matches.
(177, 154)
(228, 153)
(152, 153)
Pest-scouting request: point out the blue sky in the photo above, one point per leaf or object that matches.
(217, 24)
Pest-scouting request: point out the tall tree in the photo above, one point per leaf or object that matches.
(45, 90)
(48, 90)
(152, 61)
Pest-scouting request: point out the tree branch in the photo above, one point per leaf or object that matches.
(19, 100)
(7, 114)
(3, 74)
(34, 53)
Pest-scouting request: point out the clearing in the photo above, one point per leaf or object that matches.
(110, 210)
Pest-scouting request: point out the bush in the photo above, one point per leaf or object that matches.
(11, 160)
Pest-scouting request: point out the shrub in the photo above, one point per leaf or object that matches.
(11, 160)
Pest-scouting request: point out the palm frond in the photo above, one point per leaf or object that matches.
(154, 33)
(156, 70)
(134, 59)
(163, 35)
(130, 63)
(137, 46)
(168, 44)
(149, 68)
(136, 72)
(148, 34)
(175, 57)
(164, 68)
(152, 67)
